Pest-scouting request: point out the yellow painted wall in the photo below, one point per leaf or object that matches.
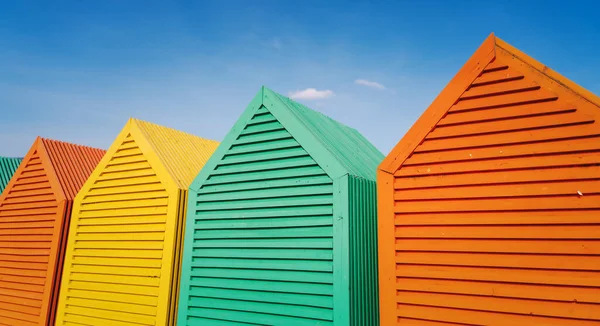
(122, 261)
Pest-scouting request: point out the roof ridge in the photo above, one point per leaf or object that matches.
(345, 144)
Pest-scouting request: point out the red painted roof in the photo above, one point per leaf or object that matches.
(73, 164)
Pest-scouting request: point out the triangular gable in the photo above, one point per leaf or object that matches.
(331, 149)
(72, 163)
(38, 156)
(182, 154)
(497, 76)
(175, 156)
(8, 166)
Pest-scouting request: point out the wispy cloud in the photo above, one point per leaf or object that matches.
(310, 94)
(369, 83)
(276, 43)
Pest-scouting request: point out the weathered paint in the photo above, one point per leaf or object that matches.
(34, 213)
(123, 256)
(489, 207)
(8, 166)
(281, 220)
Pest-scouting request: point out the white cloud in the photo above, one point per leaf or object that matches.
(369, 83)
(310, 94)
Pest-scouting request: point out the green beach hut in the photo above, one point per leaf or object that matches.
(281, 226)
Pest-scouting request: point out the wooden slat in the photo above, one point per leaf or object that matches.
(536, 122)
(493, 75)
(501, 204)
(506, 151)
(539, 246)
(517, 260)
(507, 290)
(500, 218)
(500, 88)
(502, 164)
(483, 318)
(505, 275)
(534, 109)
(500, 232)
(502, 305)
(546, 135)
(500, 177)
(504, 191)
(504, 100)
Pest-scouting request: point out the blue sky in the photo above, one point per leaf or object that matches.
(77, 70)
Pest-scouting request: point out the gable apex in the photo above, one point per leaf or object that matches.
(497, 75)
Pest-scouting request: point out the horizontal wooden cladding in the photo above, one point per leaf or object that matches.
(109, 317)
(519, 246)
(306, 190)
(451, 316)
(552, 174)
(28, 216)
(512, 260)
(554, 293)
(496, 73)
(496, 89)
(280, 308)
(115, 297)
(559, 188)
(503, 275)
(265, 184)
(501, 127)
(123, 307)
(573, 129)
(268, 264)
(570, 202)
(270, 297)
(500, 232)
(264, 243)
(313, 254)
(503, 164)
(505, 151)
(266, 286)
(214, 276)
(504, 100)
(110, 288)
(204, 316)
(313, 170)
(290, 232)
(506, 113)
(275, 222)
(515, 308)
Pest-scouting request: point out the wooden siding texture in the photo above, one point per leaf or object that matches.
(34, 212)
(8, 166)
(123, 256)
(262, 246)
(496, 212)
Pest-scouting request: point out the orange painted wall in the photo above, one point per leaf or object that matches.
(489, 207)
(34, 212)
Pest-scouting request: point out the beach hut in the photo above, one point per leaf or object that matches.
(8, 166)
(281, 226)
(35, 209)
(489, 205)
(123, 254)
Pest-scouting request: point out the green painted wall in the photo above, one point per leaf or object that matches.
(275, 231)
(8, 166)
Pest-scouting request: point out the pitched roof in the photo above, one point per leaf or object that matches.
(358, 156)
(72, 163)
(494, 55)
(8, 166)
(182, 154)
